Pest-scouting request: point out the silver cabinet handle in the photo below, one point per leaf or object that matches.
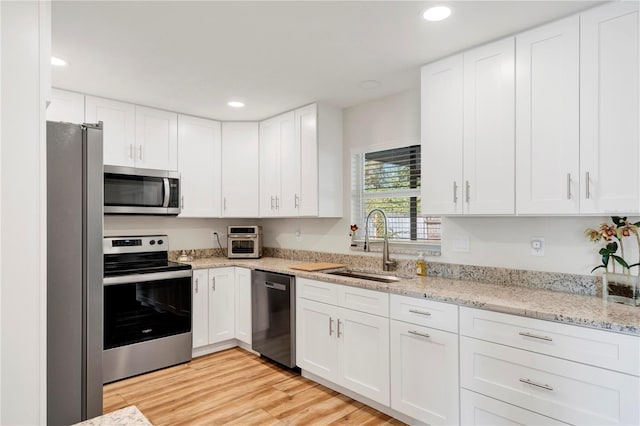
(140, 152)
(467, 191)
(339, 328)
(182, 201)
(224, 203)
(131, 150)
(539, 385)
(568, 186)
(272, 202)
(277, 203)
(417, 333)
(213, 283)
(425, 313)
(525, 334)
(587, 183)
(455, 192)
(296, 201)
(330, 326)
(196, 285)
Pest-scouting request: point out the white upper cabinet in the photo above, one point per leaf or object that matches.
(609, 109)
(156, 139)
(240, 169)
(66, 106)
(547, 119)
(291, 165)
(135, 136)
(468, 132)
(441, 124)
(200, 166)
(119, 129)
(489, 145)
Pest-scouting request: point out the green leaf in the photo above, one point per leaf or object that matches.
(598, 267)
(620, 260)
(635, 264)
(603, 252)
(617, 220)
(612, 247)
(605, 260)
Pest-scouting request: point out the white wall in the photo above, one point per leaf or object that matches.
(499, 242)
(22, 229)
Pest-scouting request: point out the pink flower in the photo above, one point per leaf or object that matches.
(607, 231)
(593, 235)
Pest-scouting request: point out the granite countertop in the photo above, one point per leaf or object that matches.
(128, 416)
(586, 311)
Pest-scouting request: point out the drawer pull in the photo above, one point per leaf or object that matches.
(525, 334)
(417, 333)
(413, 311)
(539, 385)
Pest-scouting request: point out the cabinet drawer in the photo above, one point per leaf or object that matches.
(479, 410)
(614, 351)
(319, 291)
(564, 390)
(361, 299)
(443, 316)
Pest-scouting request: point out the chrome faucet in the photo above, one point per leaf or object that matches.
(387, 263)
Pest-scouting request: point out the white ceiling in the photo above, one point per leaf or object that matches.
(193, 57)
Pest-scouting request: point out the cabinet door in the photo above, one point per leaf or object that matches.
(479, 410)
(364, 354)
(221, 304)
(156, 139)
(240, 170)
(200, 308)
(547, 119)
(291, 165)
(609, 109)
(306, 128)
(270, 166)
(316, 342)
(119, 132)
(199, 164)
(441, 128)
(489, 145)
(424, 373)
(66, 106)
(243, 305)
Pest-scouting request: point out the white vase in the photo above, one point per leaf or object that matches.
(621, 288)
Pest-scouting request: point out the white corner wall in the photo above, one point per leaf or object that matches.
(22, 234)
(493, 241)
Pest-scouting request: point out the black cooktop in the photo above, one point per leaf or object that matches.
(140, 263)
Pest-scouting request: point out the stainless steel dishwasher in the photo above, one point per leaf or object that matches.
(273, 316)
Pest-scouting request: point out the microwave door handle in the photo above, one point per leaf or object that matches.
(167, 192)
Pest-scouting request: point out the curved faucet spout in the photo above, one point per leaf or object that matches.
(387, 263)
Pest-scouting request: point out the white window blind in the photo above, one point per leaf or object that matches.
(390, 180)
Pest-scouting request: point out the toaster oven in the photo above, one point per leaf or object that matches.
(244, 242)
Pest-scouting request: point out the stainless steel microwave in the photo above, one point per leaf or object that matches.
(129, 190)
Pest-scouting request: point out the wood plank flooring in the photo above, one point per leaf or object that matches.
(235, 387)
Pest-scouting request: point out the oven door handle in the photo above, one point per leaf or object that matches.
(138, 278)
(167, 192)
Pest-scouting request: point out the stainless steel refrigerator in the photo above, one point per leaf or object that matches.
(74, 272)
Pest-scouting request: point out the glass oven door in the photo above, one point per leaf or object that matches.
(143, 307)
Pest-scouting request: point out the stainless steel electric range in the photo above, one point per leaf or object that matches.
(147, 307)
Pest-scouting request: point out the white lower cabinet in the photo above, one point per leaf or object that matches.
(480, 410)
(221, 305)
(243, 305)
(424, 360)
(497, 359)
(346, 347)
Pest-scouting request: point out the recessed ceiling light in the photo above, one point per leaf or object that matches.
(437, 13)
(235, 104)
(369, 84)
(58, 62)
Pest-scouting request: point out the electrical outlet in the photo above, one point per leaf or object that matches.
(537, 246)
(298, 235)
(460, 244)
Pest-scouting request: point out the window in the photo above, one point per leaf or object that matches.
(390, 180)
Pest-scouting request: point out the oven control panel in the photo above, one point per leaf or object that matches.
(137, 244)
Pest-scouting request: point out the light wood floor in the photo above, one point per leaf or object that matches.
(236, 387)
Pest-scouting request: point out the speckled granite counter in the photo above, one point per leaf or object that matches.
(128, 416)
(587, 311)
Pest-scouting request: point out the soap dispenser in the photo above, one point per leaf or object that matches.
(421, 265)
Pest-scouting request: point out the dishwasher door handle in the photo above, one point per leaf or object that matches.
(275, 286)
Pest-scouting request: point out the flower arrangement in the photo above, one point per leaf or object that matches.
(353, 228)
(613, 235)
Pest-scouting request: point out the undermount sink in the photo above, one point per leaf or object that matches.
(365, 276)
